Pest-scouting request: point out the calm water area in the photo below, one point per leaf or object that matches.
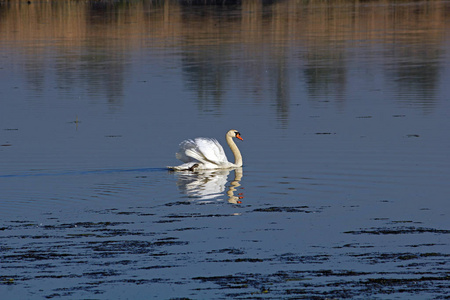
(344, 109)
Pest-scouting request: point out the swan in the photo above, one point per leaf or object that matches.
(206, 153)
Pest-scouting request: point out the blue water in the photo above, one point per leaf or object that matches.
(344, 188)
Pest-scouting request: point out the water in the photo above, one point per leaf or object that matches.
(345, 119)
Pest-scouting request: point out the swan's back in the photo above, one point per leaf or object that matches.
(204, 150)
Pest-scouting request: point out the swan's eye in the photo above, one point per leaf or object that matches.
(237, 133)
(238, 136)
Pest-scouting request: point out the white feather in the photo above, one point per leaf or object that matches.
(206, 153)
(211, 150)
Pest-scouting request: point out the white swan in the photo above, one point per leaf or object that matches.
(206, 153)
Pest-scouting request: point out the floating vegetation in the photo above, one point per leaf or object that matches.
(295, 209)
(7, 281)
(400, 230)
(147, 245)
(107, 252)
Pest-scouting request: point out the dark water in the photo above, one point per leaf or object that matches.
(344, 111)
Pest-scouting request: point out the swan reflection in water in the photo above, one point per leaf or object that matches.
(211, 184)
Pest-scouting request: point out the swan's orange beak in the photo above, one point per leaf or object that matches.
(238, 136)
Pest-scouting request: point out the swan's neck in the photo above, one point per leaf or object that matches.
(235, 150)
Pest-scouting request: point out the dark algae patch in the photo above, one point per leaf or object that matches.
(401, 281)
(338, 284)
(399, 230)
(406, 285)
(295, 209)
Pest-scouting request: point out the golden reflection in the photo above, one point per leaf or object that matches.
(93, 41)
(232, 197)
(167, 23)
(208, 185)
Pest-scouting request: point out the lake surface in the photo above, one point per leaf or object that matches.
(344, 108)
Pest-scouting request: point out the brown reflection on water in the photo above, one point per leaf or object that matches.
(91, 41)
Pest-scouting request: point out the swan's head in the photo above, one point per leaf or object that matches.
(234, 133)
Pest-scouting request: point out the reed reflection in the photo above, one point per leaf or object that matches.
(258, 48)
(211, 184)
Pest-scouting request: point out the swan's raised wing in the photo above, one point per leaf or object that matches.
(204, 150)
(211, 150)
